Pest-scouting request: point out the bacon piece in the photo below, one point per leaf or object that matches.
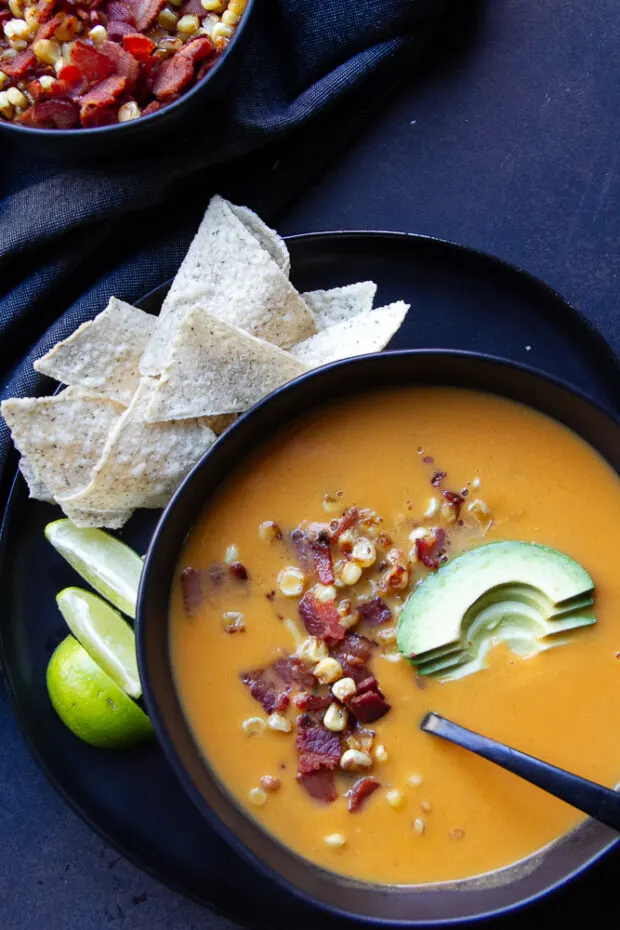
(62, 23)
(45, 8)
(239, 571)
(61, 89)
(116, 11)
(92, 63)
(368, 703)
(346, 521)
(429, 548)
(195, 583)
(194, 7)
(361, 790)
(437, 478)
(146, 12)
(177, 72)
(292, 671)
(317, 746)
(353, 654)
(312, 703)
(141, 47)
(319, 785)
(312, 546)
(455, 500)
(321, 619)
(100, 98)
(122, 63)
(151, 108)
(22, 63)
(51, 114)
(375, 611)
(118, 29)
(267, 689)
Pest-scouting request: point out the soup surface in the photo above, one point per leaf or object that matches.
(438, 813)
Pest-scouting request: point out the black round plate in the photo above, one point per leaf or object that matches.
(460, 299)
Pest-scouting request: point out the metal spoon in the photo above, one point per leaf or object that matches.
(599, 802)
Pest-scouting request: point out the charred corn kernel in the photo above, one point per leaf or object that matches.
(270, 783)
(419, 826)
(257, 797)
(324, 592)
(98, 34)
(16, 30)
(232, 555)
(352, 760)
(381, 754)
(3, 78)
(426, 806)
(167, 19)
(16, 97)
(350, 620)
(344, 608)
(188, 24)
(344, 688)
(327, 671)
(232, 620)
(364, 553)
(362, 740)
(347, 539)
(254, 726)
(127, 112)
(433, 506)
(291, 581)
(336, 718)
(212, 6)
(6, 108)
(395, 798)
(478, 509)
(16, 8)
(268, 531)
(32, 18)
(311, 650)
(295, 632)
(229, 18)
(386, 635)
(279, 723)
(237, 7)
(414, 779)
(351, 573)
(66, 30)
(335, 840)
(418, 533)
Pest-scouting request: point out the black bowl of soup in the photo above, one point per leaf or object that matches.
(273, 586)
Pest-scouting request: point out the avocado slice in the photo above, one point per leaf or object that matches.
(510, 591)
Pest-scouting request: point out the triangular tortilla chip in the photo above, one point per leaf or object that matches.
(362, 334)
(110, 519)
(227, 272)
(142, 464)
(340, 303)
(214, 367)
(268, 238)
(62, 436)
(37, 488)
(103, 354)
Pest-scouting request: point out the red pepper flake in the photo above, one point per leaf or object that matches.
(321, 619)
(437, 478)
(361, 790)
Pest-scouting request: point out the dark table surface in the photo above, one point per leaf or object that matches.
(510, 146)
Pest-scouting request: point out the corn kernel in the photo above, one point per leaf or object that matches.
(279, 723)
(127, 112)
(188, 24)
(170, 43)
(324, 592)
(351, 620)
(6, 107)
(364, 553)
(418, 533)
(352, 760)
(295, 632)
(414, 780)
(335, 840)
(419, 826)
(16, 8)
(351, 573)
(232, 620)
(3, 78)
(66, 51)
(391, 655)
(478, 509)
(394, 798)
(270, 783)
(336, 718)
(448, 512)
(268, 531)
(362, 739)
(312, 650)
(212, 6)
(387, 635)
(291, 581)
(344, 688)
(426, 806)
(66, 30)
(229, 18)
(60, 64)
(168, 19)
(237, 7)
(222, 31)
(332, 503)
(16, 29)
(433, 506)
(98, 34)
(381, 754)
(327, 671)
(16, 97)
(254, 726)
(257, 797)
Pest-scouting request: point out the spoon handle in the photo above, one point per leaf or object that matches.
(599, 802)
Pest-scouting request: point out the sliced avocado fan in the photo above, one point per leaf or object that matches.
(525, 595)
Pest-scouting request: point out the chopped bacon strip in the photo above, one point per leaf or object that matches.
(292, 671)
(122, 63)
(361, 790)
(321, 619)
(267, 689)
(312, 546)
(319, 785)
(51, 114)
(455, 500)
(100, 98)
(151, 108)
(194, 7)
(147, 12)
(195, 583)
(375, 611)
(317, 746)
(312, 703)
(368, 703)
(141, 47)
(45, 8)
(116, 11)
(22, 63)
(429, 548)
(346, 521)
(92, 63)
(117, 29)
(176, 73)
(62, 23)
(353, 654)
(239, 571)
(437, 478)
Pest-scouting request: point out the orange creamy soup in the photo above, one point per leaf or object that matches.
(431, 812)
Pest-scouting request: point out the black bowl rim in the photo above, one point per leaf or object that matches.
(166, 741)
(149, 119)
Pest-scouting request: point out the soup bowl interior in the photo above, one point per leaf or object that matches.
(407, 904)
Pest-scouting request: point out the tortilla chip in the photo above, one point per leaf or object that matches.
(142, 464)
(340, 303)
(267, 237)
(362, 334)
(103, 354)
(62, 436)
(110, 519)
(215, 368)
(37, 488)
(228, 273)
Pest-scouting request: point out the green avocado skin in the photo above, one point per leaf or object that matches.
(520, 593)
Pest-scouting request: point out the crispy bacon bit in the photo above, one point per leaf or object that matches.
(317, 746)
(312, 703)
(195, 583)
(267, 689)
(92, 63)
(122, 63)
(270, 595)
(455, 500)
(321, 619)
(146, 12)
(437, 478)
(141, 47)
(429, 548)
(428, 459)
(117, 29)
(292, 670)
(194, 7)
(176, 73)
(368, 703)
(361, 790)
(346, 521)
(56, 114)
(353, 654)
(45, 8)
(153, 107)
(239, 571)
(20, 65)
(61, 23)
(319, 785)
(375, 611)
(312, 547)
(100, 97)
(118, 11)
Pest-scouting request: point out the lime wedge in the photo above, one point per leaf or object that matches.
(106, 636)
(111, 567)
(89, 703)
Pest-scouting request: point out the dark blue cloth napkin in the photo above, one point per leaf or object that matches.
(71, 236)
